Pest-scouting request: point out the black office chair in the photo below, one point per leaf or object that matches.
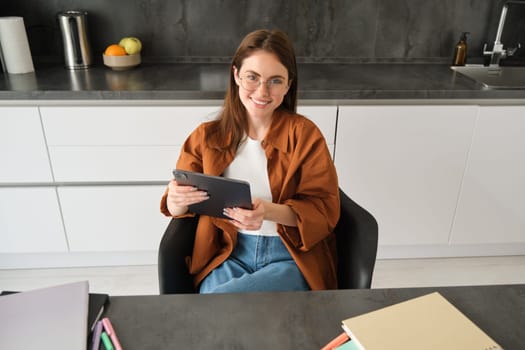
(356, 236)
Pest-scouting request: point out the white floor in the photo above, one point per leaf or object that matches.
(137, 280)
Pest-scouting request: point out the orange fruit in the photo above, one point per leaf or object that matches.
(115, 50)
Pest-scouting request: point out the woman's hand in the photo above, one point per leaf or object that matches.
(247, 219)
(181, 196)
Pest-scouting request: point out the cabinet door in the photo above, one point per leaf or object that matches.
(113, 163)
(113, 218)
(30, 221)
(491, 205)
(118, 143)
(23, 153)
(404, 164)
(122, 126)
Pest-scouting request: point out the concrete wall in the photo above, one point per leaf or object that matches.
(348, 30)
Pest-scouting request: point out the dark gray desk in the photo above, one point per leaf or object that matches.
(295, 320)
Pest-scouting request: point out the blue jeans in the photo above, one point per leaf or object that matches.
(258, 263)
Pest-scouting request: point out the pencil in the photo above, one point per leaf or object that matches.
(339, 340)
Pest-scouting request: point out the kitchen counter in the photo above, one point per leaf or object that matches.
(336, 83)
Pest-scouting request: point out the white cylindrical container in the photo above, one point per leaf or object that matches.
(15, 46)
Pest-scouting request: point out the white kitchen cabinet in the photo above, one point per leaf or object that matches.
(115, 163)
(437, 178)
(405, 164)
(139, 143)
(23, 153)
(122, 125)
(491, 206)
(30, 221)
(117, 143)
(125, 144)
(146, 125)
(112, 218)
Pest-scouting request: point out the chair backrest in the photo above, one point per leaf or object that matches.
(356, 236)
(176, 244)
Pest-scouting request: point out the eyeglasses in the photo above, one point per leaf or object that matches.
(251, 82)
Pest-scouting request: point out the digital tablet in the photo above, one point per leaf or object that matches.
(223, 192)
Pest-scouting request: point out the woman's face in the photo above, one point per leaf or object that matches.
(263, 82)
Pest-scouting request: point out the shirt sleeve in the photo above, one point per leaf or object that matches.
(316, 200)
(190, 158)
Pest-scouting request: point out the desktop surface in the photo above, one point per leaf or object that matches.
(295, 320)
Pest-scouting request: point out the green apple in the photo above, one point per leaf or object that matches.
(131, 44)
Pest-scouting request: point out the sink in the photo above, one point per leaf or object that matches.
(495, 77)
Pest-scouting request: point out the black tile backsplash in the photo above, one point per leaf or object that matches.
(341, 30)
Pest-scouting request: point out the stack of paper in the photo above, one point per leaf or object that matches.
(428, 322)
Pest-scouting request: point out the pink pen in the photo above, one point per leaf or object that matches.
(111, 332)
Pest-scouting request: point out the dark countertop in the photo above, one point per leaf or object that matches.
(335, 82)
(295, 320)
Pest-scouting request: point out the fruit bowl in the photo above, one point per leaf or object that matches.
(121, 62)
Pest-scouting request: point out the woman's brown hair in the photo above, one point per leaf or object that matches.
(231, 126)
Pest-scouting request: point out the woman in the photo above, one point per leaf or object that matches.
(285, 242)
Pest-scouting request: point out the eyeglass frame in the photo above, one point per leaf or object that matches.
(260, 82)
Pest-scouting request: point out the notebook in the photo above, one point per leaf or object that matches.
(428, 322)
(47, 318)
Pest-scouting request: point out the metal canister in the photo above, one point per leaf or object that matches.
(77, 51)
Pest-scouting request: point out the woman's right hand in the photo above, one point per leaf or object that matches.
(181, 196)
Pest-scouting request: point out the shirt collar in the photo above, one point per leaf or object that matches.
(278, 133)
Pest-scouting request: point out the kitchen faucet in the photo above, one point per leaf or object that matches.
(498, 52)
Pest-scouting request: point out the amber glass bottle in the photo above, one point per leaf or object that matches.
(460, 52)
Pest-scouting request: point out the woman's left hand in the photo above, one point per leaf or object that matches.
(247, 219)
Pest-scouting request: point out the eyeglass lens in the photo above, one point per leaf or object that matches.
(252, 82)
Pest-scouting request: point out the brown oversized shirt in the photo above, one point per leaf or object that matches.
(302, 175)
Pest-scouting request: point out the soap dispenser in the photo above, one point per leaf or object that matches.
(460, 52)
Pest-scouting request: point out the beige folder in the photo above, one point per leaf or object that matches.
(428, 322)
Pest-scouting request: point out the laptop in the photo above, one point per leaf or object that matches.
(47, 318)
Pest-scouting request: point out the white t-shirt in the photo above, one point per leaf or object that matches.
(250, 164)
